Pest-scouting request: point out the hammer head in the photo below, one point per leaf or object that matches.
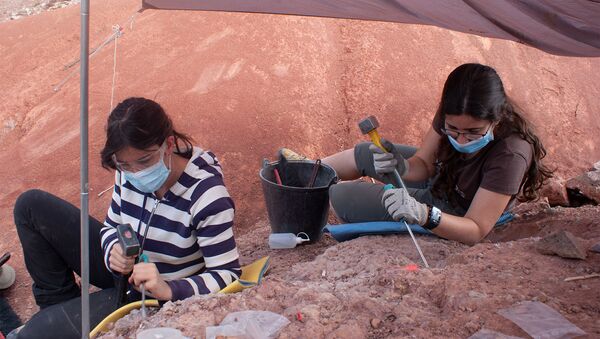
(368, 124)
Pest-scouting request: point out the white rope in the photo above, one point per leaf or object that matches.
(113, 36)
(117, 30)
(106, 190)
(132, 19)
(76, 70)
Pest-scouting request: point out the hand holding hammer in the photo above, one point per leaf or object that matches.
(369, 126)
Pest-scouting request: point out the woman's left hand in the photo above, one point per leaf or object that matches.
(400, 205)
(147, 273)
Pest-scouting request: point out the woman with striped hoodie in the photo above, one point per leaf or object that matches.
(173, 196)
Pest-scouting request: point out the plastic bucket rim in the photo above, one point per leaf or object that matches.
(334, 180)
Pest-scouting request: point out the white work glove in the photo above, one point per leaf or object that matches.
(400, 205)
(386, 162)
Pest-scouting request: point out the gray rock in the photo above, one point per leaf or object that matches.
(563, 244)
(587, 184)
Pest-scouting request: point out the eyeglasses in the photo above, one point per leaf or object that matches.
(140, 164)
(470, 136)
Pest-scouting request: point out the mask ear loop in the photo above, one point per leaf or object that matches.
(170, 154)
(170, 158)
(303, 239)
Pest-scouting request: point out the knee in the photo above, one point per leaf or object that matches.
(362, 147)
(25, 201)
(335, 194)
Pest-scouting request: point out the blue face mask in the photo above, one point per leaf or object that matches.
(149, 179)
(472, 146)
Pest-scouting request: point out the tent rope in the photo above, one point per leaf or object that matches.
(117, 31)
(113, 36)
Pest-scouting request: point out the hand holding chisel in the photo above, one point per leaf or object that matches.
(369, 126)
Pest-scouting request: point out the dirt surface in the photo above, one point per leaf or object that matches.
(244, 85)
(364, 288)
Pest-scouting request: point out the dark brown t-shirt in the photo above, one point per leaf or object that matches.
(499, 167)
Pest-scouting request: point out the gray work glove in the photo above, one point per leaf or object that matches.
(386, 162)
(400, 205)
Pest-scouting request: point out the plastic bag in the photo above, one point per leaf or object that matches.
(541, 321)
(489, 334)
(248, 325)
(160, 333)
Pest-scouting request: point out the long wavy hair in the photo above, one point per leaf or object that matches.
(477, 90)
(140, 123)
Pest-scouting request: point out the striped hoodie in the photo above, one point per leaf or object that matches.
(190, 237)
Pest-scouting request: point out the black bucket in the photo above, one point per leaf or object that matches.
(293, 207)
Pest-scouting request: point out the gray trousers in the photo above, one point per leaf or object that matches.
(360, 201)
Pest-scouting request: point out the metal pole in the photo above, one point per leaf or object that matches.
(83, 126)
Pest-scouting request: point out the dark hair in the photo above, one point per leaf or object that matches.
(477, 90)
(140, 123)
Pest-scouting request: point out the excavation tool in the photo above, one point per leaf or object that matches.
(131, 247)
(7, 273)
(143, 258)
(4, 258)
(369, 126)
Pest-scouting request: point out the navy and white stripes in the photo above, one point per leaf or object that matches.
(190, 238)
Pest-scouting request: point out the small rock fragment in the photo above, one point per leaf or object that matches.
(556, 192)
(562, 243)
(390, 317)
(477, 295)
(596, 248)
(375, 323)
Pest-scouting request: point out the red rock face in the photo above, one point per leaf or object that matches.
(245, 85)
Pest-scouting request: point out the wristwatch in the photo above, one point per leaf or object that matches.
(434, 218)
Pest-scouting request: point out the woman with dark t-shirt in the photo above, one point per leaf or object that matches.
(478, 156)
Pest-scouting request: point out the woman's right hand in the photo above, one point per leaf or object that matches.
(119, 262)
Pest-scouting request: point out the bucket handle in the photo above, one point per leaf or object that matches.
(265, 163)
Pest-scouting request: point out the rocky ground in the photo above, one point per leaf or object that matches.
(368, 287)
(16, 9)
(365, 288)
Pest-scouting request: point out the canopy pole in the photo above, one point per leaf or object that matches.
(83, 121)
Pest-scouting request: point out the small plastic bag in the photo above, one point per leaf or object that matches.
(161, 332)
(489, 334)
(541, 321)
(248, 325)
